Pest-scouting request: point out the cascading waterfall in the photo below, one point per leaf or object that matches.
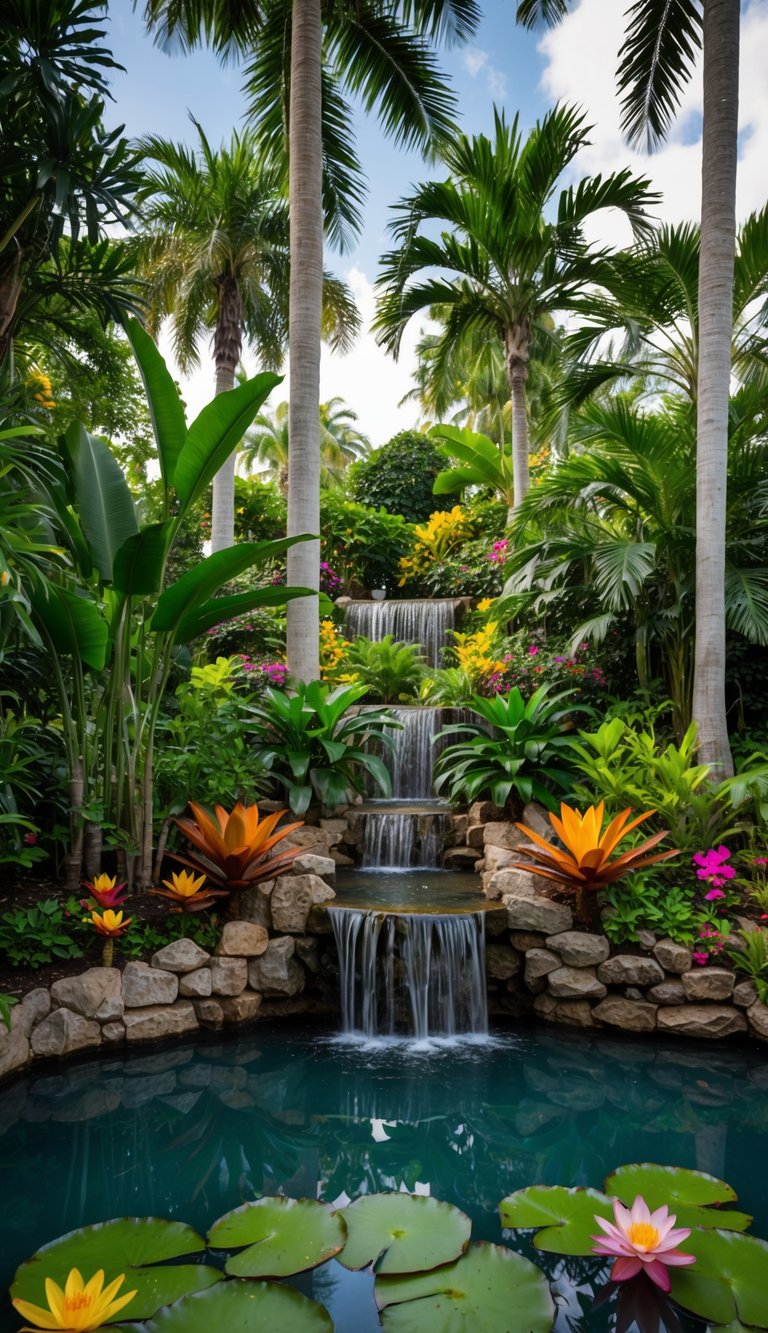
(427, 622)
(420, 973)
(398, 840)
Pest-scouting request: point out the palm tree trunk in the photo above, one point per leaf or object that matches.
(304, 324)
(227, 346)
(718, 244)
(516, 351)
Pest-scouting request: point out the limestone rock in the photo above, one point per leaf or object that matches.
(241, 1008)
(536, 817)
(334, 829)
(745, 994)
(143, 984)
(573, 1013)
(538, 964)
(292, 900)
(277, 972)
(180, 956)
(64, 1031)
(501, 961)
(14, 1046)
(241, 939)
(307, 836)
(160, 1020)
(629, 1015)
(341, 858)
(646, 939)
(503, 834)
(483, 812)
(35, 1006)
(112, 1033)
(667, 992)
(497, 858)
(578, 949)
(575, 983)
(673, 957)
(626, 970)
(702, 1020)
(312, 864)
(254, 904)
(757, 1015)
(229, 976)
(210, 1013)
(461, 858)
(319, 922)
(196, 984)
(527, 911)
(475, 835)
(97, 993)
(523, 940)
(708, 983)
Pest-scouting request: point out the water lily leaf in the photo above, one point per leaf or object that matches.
(567, 1216)
(403, 1233)
(135, 1246)
(687, 1193)
(283, 1236)
(477, 1291)
(244, 1307)
(728, 1280)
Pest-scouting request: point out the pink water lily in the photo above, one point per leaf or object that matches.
(642, 1241)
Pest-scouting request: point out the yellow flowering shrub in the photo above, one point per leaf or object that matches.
(477, 654)
(333, 655)
(435, 539)
(485, 604)
(40, 385)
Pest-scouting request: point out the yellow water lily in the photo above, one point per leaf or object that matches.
(80, 1307)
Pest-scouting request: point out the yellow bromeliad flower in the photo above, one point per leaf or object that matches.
(186, 891)
(79, 1308)
(184, 883)
(109, 922)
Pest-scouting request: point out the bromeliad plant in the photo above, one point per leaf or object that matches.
(187, 892)
(521, 747)
(584, 862)
(314, 745)
(111, 925)
(233, 849)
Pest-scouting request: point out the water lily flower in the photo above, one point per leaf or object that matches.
(105, 891)
(642, 1241)
(186, 891)
(79, 1308)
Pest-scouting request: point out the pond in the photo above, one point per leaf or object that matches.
(191, 1132)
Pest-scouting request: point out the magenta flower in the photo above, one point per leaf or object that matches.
(700, 958)
(533, 650)
(713, 894)
(642, 1241)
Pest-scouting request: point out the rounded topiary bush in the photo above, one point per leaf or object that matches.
(399, 478)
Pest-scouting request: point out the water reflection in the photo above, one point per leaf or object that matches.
(192, 1132)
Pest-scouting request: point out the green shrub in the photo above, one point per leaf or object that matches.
(34, 936)
(399, 478)
(364, 546)
(260, 510)
(392, 671)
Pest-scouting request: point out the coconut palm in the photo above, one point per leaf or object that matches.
(265, 444)
(662, 43)
(309, 57)
(214, 253)
(509, 267)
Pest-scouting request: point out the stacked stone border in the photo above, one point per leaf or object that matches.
(279, 960)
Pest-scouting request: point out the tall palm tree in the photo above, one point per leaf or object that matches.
(308, 58)
(266, 443)
(214, 253)
(510, 267)
(663, 39)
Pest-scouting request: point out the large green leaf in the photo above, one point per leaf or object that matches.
(403, 1233)
(165, 406)
(102, 496)
(135, 1246)
(283, 1236)
(219, 609)
(488, 1288)
(195, 587)
(729, 1280)
(244, 1307)
(567, 1216)
(75, 624)
(687, 1194)
(218, 430)
(139, 564)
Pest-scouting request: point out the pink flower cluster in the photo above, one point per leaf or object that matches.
(498, 552)
(714, 941)
(275, 672)
(330, 582)
(712, 867)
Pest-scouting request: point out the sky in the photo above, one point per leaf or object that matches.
(503, 65)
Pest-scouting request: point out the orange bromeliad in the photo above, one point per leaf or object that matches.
(585, 863)
(234, 849)
(187, 892)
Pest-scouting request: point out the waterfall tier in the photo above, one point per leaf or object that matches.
(399, 839)
(416, 973)
(426, 622)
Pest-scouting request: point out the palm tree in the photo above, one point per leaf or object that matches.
(308, 58)
(215, 256)
(660, 50)
(511, 268)
(266, 443)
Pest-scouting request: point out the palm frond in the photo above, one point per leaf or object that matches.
(662, 41)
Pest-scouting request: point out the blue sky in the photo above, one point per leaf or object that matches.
(503, 64)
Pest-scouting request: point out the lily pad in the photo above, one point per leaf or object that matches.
(689, 1194)
(478, 1291)
(728, 1282)
(403, 1233)
(243, 1307)
(283, 1236)
(135, 1246)
(567, 1216)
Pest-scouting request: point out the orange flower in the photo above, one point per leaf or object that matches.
(109, 922)
(233, 849)
(187, 892)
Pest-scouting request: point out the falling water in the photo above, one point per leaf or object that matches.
(397, 840)
(421, 974)
(427, 622)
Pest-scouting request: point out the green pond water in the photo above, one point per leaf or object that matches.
(193, 1131)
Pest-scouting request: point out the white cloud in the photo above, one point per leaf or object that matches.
(477, 61)
(581, 58)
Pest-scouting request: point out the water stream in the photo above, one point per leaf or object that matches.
(427, 622)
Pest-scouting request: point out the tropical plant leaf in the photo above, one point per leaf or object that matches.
(102, 496)
(283, 1236)
(216, 432)
(403, 1233)
(140, 562)
(75, 624)
(165, 406)
(220, 609)
(194, 588)
(478, 1291)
